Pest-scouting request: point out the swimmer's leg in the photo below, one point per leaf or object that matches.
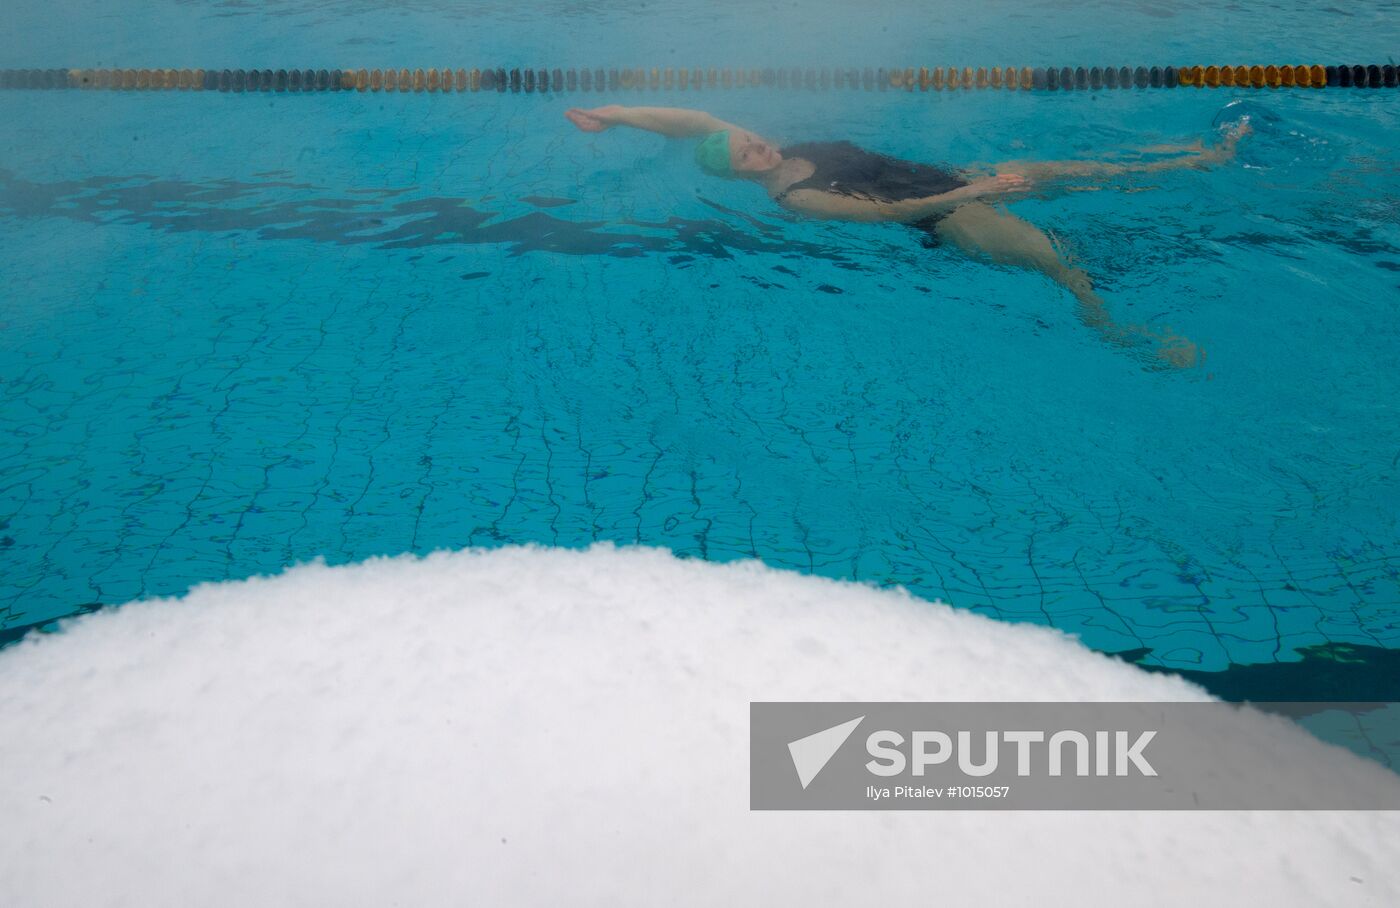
(985, 232)
(1195, 156)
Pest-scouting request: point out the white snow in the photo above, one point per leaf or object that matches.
(546, 727)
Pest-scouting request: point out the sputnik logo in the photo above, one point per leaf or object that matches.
(811, 754)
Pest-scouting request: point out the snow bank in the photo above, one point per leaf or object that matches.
(548, 727)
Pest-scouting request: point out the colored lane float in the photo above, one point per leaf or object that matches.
(553, 81)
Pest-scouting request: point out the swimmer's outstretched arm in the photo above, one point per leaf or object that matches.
(830, 205)
(677, 122)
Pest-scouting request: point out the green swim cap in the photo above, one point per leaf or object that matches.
(712, 154)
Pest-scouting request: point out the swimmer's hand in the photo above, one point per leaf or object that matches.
(595, 120)
(1001, 184)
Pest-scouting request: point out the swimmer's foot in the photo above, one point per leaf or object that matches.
(1163, 349)
(1177, 351)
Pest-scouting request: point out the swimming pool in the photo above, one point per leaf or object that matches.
(245, 331)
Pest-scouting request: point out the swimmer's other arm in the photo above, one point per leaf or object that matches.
(836, 207)
(677, 122)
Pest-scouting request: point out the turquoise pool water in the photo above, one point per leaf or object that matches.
(244, 331)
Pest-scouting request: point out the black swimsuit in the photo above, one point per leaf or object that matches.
(846, 169)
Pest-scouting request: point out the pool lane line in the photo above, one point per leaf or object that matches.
(546, 81)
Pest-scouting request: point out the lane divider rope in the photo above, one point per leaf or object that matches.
(553, 81)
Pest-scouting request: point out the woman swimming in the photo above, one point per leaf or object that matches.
(840, 181)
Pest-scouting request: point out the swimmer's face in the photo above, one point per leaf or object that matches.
(748, 153)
